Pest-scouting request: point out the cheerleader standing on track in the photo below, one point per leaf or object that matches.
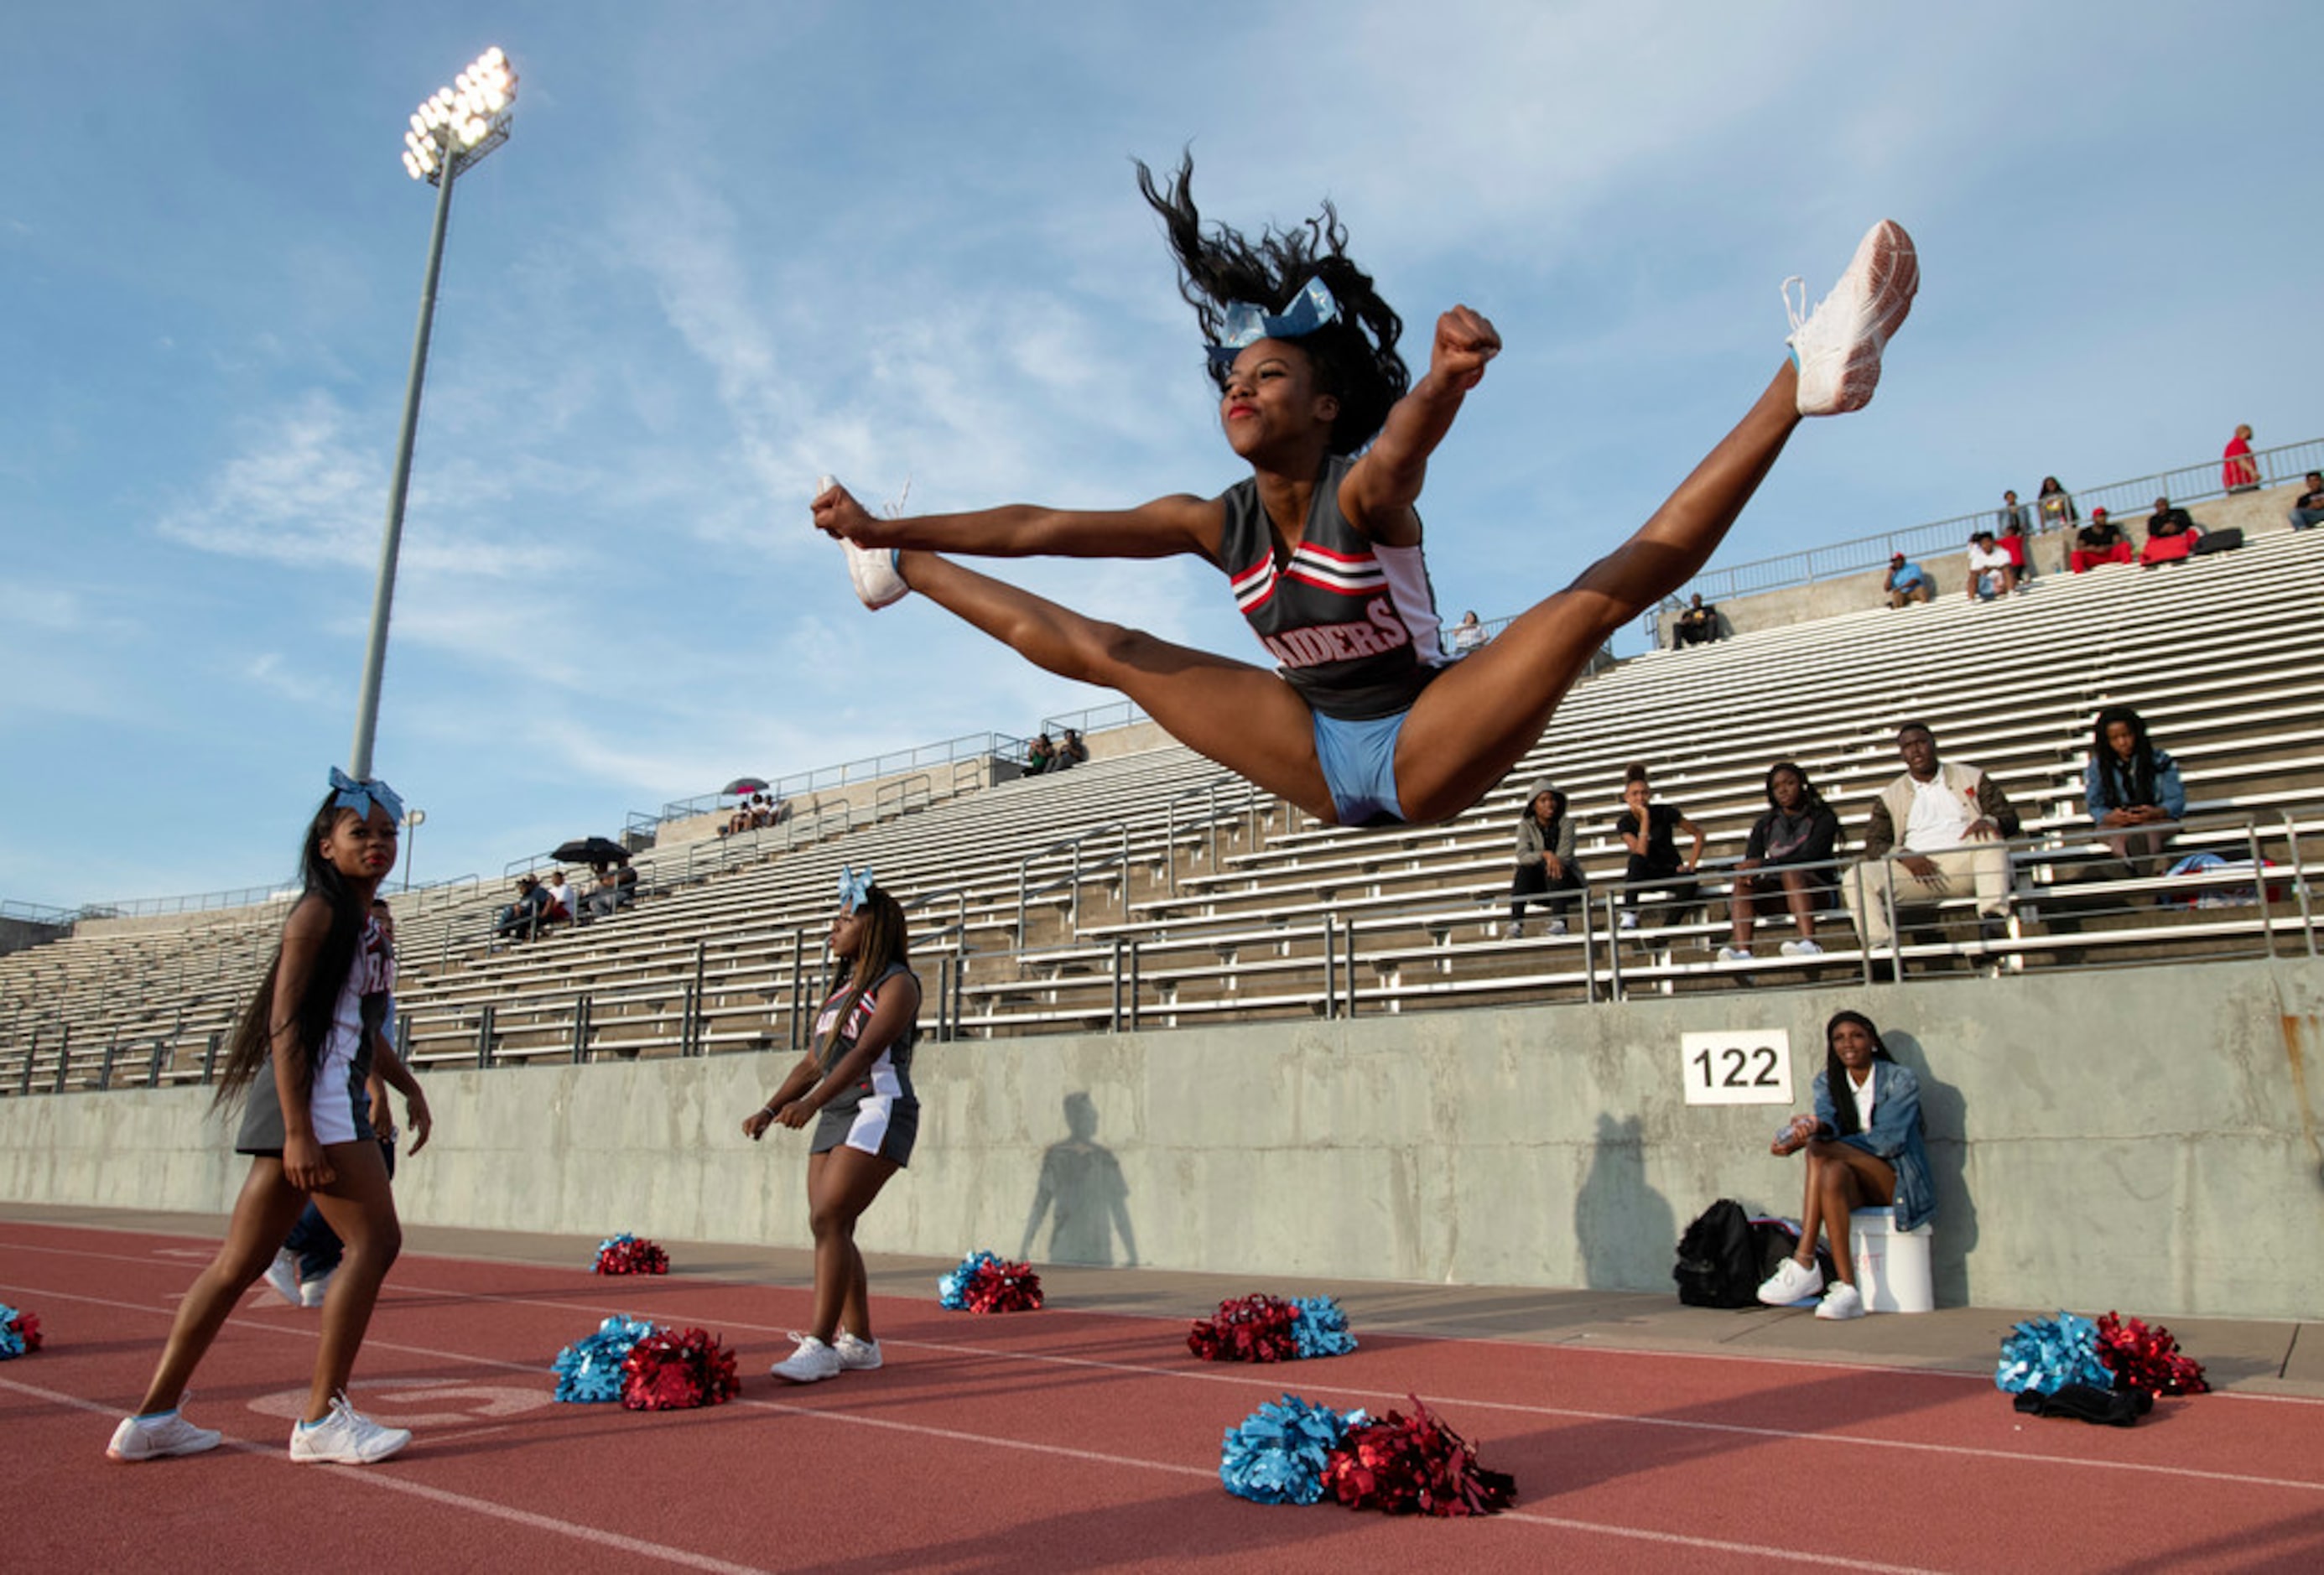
(856, 1085)
(1368, 724)
(301, 1055)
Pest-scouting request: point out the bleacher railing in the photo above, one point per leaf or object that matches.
(2075, 906)
(2125, 499)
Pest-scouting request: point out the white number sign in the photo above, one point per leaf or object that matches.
(1742, 1067)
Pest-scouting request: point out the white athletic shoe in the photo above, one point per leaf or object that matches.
(1837, 347)
(1794, 1281)
(1802, 949)
(281, 1277)
(311, 1292)
(1629, 920)
(152, 1438)
(856, 1356)
(1514, 930)
(870, 569)
(1557, 927)
(811, 1363)
(1735, 953)
(1842, 1301)
(345, 1437)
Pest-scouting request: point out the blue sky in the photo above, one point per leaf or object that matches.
(732, 246)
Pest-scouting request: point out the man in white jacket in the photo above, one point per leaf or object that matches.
(1946, 825)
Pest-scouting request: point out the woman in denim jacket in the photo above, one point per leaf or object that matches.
(1864, 1151)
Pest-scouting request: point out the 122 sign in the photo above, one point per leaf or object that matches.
(1740, 1066)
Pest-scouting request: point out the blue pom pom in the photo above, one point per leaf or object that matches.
(589, 1371)
(1322, 1330)
(1277, 1454)
(12, 1334)
(2046, 1354)
(952, 1289)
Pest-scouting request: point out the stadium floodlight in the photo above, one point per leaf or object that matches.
(452, 130)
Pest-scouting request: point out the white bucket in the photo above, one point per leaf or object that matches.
(1892, 1267)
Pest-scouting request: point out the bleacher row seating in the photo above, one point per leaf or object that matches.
(1162, 893)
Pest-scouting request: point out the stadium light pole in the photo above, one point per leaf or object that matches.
(451, 131)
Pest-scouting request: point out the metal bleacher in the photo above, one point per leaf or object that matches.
(1149, 891)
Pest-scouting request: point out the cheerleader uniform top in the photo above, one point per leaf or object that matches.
(890, 1075)
(338, 1104)
(1351, 622)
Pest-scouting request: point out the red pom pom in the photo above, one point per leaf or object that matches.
(1415, 1466)
(630, 1255)
(1003, 1287)
(1255, 1328)
(2145, 1359)
(676, 1370)
(28, 1329)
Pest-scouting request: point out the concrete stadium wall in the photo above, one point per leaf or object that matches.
(2143, 1139)
(2257, 513)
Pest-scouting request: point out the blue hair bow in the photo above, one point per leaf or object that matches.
(361, 796)
(1245, 325)
(854, 886)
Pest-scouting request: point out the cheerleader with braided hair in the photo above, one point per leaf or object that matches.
(1364, 721)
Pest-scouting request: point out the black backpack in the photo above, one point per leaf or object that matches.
(1718, 1260)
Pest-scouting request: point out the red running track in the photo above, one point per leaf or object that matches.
(1064, 1440)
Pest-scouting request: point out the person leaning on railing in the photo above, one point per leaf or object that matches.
(1943, 823)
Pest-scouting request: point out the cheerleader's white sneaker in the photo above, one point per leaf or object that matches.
(1837, 347)
(856, 1356)
(811, 1363)
(155, 1438)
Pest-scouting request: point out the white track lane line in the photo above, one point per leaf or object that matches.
(1964, 1451)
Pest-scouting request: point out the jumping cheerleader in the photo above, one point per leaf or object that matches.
(301, 1055)
(1368, 723)
(858, 1077)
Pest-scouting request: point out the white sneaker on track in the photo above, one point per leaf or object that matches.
(155, 1438)
(345, 1437)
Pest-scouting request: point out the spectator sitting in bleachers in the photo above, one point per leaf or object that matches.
(1797, 832)
(523, 917)
(744, 817)
(2130, 784)
(1907, 582)
(1991, 571)
(1698, 625)
(1071, 751)
(1945, 822)
(616, 889)
(2099, 541)
(1649, 831)
(1547, 873)
(559, 907)
(2055, 504)
(2170, 534)
(1040, 755)
(2308, 511)
(2238, 471)
(2019, 545)
(1467, 635)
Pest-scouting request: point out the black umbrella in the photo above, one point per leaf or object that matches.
(591, 850)
(741, 784)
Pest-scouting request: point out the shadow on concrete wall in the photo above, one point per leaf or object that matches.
(1082, 1192)
(1944, 1126)
(1628, 1235)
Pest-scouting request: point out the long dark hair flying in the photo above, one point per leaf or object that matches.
(1846, 1121)
(1355, 358)
(885, 942)
(311, 1014)
(2130, 781)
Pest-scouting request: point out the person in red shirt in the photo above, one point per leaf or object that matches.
(2239, 472)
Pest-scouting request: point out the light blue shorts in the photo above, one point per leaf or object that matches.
(1358, 761)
